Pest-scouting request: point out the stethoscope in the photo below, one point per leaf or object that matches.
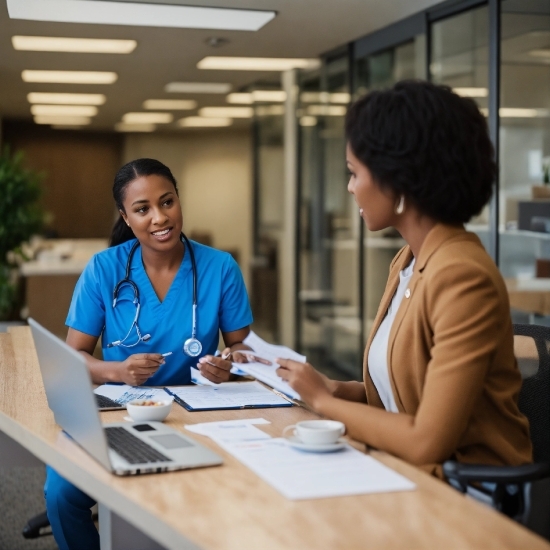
(192, 346)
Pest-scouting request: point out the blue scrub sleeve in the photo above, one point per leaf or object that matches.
(87, 310)
(235, 310)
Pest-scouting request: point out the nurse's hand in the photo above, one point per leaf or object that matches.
(308, 382)
(216, 369)
(137, 368)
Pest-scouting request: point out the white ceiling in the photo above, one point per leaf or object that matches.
(302, 28)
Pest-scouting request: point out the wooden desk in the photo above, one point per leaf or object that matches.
(229, 507)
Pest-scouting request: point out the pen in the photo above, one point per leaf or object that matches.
(166, 354)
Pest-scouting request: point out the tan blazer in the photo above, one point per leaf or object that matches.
(450, 351)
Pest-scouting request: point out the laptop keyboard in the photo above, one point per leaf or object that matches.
(106, 403)
(133, 449)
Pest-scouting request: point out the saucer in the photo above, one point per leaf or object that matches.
(296, 443)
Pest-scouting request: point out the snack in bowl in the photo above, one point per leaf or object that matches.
(149, 409)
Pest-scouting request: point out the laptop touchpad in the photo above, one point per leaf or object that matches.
(171, 441)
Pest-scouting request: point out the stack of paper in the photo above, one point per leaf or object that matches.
(297, 474)
(267, 373)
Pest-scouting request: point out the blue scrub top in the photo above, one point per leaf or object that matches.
(222, 304)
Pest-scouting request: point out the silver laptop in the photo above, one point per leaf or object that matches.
(124, 448)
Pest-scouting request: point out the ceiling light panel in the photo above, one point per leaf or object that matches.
(227, 112)
(197, 88)
(139, 14)
(326, 110)
(170, 104)
(240, 99)
(63, 120)
(64, 110)
(256, 63)
(69, 77)
(544, 54)
(274, 96)
(471, 92)
(66, 99)
(325, 97)
(124, 127)
(78, 45)
(147, 118)
(202, 122)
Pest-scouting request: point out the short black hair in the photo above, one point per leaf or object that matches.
(425, 142)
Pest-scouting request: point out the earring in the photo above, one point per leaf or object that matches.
(400, 208)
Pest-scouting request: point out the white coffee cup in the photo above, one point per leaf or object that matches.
(316, 432)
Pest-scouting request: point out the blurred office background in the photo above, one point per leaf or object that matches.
(259, 151)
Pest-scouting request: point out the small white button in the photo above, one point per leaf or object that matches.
(408, 293)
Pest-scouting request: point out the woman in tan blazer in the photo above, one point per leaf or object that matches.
(440, 378)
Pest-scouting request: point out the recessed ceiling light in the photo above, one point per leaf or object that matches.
(240, 98)
(63, 120)
(140, 14)
(471, 92)
(270, 110)
(170, 104)
(69, 77)
(540, 53)
(274, 96)
(66, 99)
(256, 63)
(227, 112)
(325, 97)
(197, 88)
(518, 112)
(64, 110)
(326, 110)
(308, 120)
(79, 45)
(123, 127)
(147, 118)
(202, 122)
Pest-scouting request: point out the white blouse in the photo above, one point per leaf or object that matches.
(378, 353)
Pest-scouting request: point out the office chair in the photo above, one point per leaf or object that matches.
(520, 492)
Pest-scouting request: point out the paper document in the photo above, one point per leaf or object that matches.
(300, 475)
(228, 395)
(266, 373)
(199, 379)
(230, 431)
(123, 394)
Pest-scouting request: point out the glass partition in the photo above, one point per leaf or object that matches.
(268, 215)
(460, 59)
(524, 200)
(329, 316)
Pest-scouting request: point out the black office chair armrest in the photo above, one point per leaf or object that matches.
(467, 473)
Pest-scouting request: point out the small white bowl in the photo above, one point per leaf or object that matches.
(138, 411)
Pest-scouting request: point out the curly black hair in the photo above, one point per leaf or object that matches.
(425, 142)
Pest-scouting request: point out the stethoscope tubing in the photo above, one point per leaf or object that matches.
(127, 280)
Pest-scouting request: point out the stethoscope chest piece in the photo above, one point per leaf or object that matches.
(192, 347)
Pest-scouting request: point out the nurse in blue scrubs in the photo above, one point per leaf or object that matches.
(151, 316)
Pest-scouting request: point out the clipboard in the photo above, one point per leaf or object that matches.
(227, 396)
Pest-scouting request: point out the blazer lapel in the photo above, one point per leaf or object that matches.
(400, 263)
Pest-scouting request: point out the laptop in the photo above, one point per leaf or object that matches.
(124, 448)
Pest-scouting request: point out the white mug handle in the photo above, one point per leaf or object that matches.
(343, 430)
(288, 428)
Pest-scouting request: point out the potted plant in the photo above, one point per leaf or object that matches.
(21, 216)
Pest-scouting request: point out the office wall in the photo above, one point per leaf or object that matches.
(214, 173)
(79, 167)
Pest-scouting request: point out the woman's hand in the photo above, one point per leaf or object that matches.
(138, 368)
(309, 383)
(216, 369)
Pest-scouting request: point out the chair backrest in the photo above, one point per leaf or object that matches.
(532, 349)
